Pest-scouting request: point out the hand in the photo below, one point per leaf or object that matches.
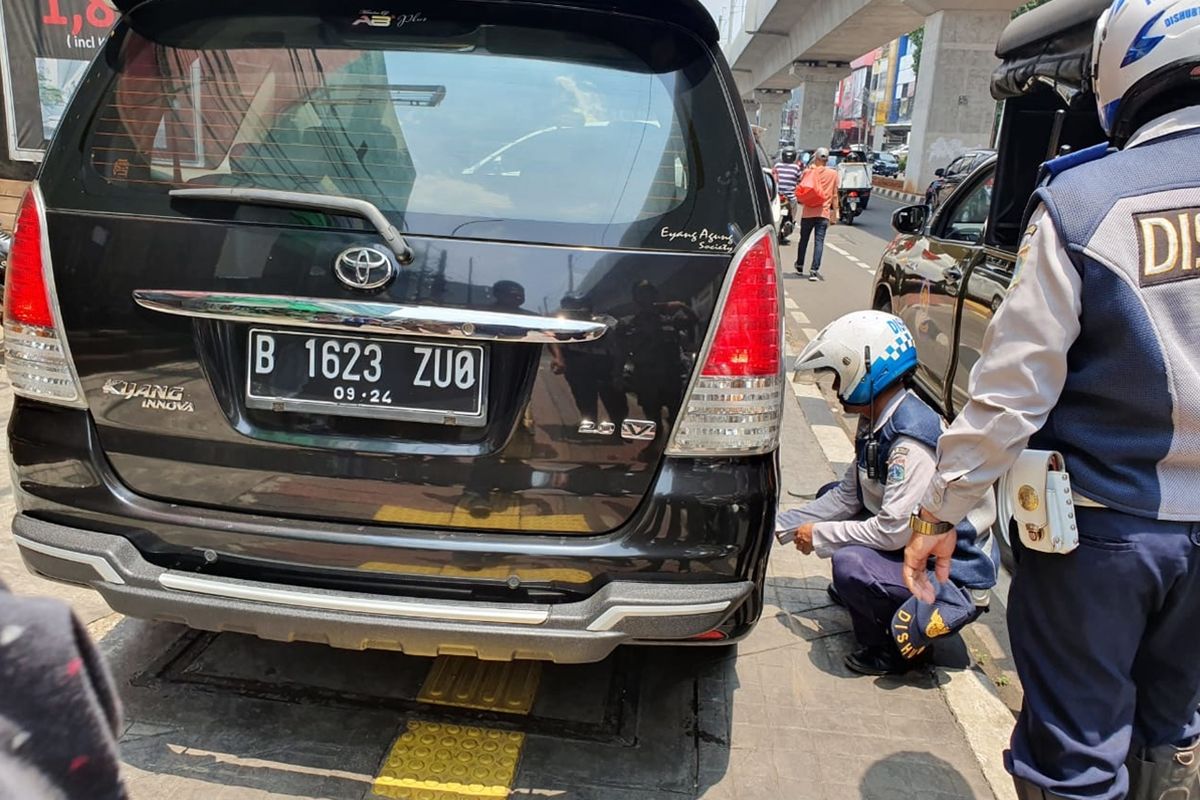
(916, 560)
(804, 538)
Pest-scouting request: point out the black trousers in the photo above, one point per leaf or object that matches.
(814, 227)
(1106, 640)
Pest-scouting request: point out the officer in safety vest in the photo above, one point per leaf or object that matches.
(861, 523)
(1096, 354)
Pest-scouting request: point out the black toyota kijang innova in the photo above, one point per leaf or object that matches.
(447, 328)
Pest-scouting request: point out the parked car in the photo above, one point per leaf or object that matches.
(309, 341)
(885, 164)
(947, 179)
(950, 266)
(938, 268)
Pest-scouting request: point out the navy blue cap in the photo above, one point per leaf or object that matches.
(916, 623)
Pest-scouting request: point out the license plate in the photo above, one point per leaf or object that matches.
(355, 376)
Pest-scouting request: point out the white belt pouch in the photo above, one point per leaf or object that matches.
(1037, 491)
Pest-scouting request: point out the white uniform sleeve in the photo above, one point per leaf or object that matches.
(1018, 379)
(841, 502)
(910, 469)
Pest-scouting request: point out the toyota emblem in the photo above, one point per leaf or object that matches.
(365, 267)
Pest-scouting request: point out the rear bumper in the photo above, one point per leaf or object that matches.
(623, 611)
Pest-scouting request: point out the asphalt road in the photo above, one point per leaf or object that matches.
(851, 256)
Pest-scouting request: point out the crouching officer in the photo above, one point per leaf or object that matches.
(862, 522)
(1096, 354)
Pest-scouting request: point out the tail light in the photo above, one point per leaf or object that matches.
(735, 402)
(38, 361)
(854, 194)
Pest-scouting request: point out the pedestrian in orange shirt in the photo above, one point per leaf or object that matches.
(814, 219)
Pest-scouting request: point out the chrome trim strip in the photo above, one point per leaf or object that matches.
(614, 615)
(99, 563)
(308, 200)
(461, 612)
(370, 317)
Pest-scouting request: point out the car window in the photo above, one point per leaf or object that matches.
(959, 166)
(603, 149)
(966, 213)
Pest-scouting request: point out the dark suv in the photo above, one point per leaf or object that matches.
(451, 329)
(948, 179)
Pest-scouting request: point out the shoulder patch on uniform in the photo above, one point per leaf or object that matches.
(1030, 231)
(1057, 166)
(897, 461)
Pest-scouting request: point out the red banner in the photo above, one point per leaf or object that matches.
(48, 45)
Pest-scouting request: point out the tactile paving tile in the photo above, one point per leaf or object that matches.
(508, 686)
(434, 761)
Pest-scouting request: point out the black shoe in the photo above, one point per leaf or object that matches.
(881, 661)
(799, 268)
(834, 597)
(815, 276)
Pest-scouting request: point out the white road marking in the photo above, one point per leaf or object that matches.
(838, 250)
(835, 443)
(809, 333)
(800, 317)
(791, 304)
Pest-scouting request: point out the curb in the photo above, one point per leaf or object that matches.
(898, 196)
(984, 720)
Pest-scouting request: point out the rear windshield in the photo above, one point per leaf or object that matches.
(470, 121)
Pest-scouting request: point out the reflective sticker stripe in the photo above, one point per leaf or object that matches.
(509, 518)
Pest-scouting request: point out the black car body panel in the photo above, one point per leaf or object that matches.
(687, 13)
(172, 486)
(227, 455)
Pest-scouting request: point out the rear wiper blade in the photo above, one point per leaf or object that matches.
(350, 206)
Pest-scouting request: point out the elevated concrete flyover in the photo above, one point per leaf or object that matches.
(785, 44)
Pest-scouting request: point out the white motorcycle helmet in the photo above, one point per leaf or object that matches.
(1142, 49)
(842, 347)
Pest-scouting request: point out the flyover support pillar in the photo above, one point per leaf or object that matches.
(770, 116)
(814, 122)
(953, 109)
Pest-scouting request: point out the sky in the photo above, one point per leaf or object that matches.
(718, 9)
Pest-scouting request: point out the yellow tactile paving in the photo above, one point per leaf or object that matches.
(433, 761)
(508, 686)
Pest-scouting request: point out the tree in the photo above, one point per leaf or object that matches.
(917, 37)
(1032, 4)
(915, 40)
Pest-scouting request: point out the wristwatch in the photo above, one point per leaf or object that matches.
(922, 527)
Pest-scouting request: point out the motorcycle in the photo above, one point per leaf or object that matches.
(850, 205)
(854, 189)
(787, 225)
